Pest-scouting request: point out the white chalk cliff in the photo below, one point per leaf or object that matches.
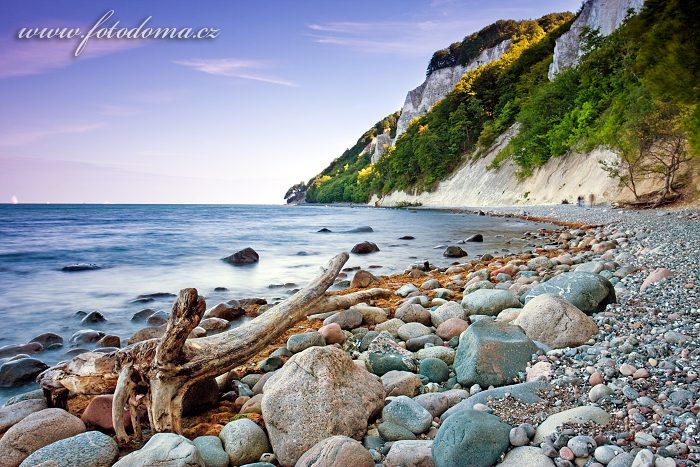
(602, 15)
(439, 83)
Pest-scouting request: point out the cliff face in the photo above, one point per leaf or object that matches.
(474, 184)
(440, 82)
(601, 15)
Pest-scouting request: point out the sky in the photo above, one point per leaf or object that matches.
(284, 88)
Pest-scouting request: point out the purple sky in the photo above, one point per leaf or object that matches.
(284, 88)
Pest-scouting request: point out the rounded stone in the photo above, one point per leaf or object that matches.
(164, 449)
(244, 441)
(435, 369)
(338, 451)
(406, 412)
(91, 448)
(212, 451)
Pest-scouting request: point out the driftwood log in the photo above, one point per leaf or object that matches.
(158, 372)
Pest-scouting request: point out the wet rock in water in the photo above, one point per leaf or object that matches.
(346, 319)
(555, 322)
(49, 339)
(80, 267)
(142, 315)
(410, 454)
(489, 302)
(242, 257)
(75, 352)
(12, 350)
(214, 324)
(93, 317)
(338, 451)
(453, 251)
(212, 451)
(158, 318)
(15, 413)
(300, 342)
(363, 279)
(407, 237)
(364, 248)
(363, 229)
(21, 371)
(475, 238)
(109, 341)
(406, 412)
(147, 333)
(470, 439)
(588, 292)
(91, 448)
(35, 431)
(85, 336)
(164, 449)
(324, 230)
(492, 353)
(226, 311)
(98, 413)
(244, 441)
(335, 396)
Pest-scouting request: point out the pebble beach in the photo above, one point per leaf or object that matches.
(579, 350)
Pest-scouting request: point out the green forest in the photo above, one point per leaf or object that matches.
(643, 78)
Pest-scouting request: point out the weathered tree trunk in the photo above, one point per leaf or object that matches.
(162, 370)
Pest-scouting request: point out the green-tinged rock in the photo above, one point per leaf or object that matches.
(407, 413)
(212, 451)
(492, 353)
(589, 292)
(393, 432)
(435, 369)
(300, 342)
(470, 439)
(382, 363)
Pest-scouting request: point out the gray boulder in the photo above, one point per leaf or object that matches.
(212, 451)
(15, 413)
(588, 292)
(492, 353)
(470, 439)
(92, 448)
(164, 450)
(489, 302)
(300, 342)
(406, 412)
(244, 441)
(318, 393)
(20, 371)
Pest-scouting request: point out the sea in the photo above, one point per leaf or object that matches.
(160, 249)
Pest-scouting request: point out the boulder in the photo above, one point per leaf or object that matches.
(242, 257)
(12, 350)
(451, 328)
(35, 431)
(300, 342)
(446, 311)
(434, 369)
(363, 279)
(529, 456)
(588, 292)
(332, 333)
(93, 317)
(413, 313)
(406, 412)
(98, 413)
(225, 311)
(213, 324)
(164, 450)
(92, 448)
(400, 383)
(577, 415)
(212, 451)
(492, 353)
(109, 340)
(20, 371)
(475, 238)
(333, 395)
(489, 302)
(555, 322)
(85, 336)
(15, 413)
(410, 454)
(244, 441)
(364, 248)
(49, 339)
(338, 451)
(453, 251)
(346, 319)
(147, 333)
(470, 439)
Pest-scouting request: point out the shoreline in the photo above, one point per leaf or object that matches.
(665, 312)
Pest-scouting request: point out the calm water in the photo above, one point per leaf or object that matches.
(162, 248)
